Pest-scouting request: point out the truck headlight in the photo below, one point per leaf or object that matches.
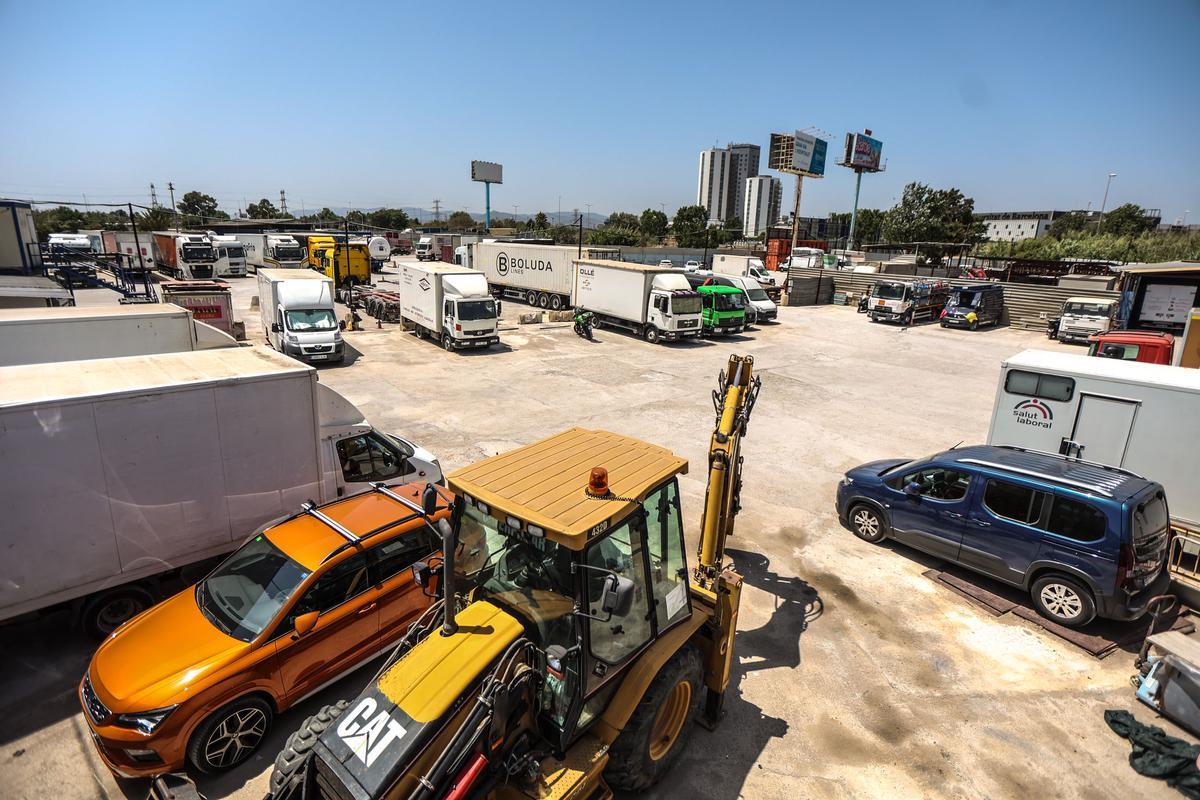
(291, 338)
(146, 722)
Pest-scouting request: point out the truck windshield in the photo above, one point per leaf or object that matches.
(472, 310)
(1087, 309)
(729, 302)
(311, 320)
(287, 252)
(198, 252)
(685, 304)
(243, 594)
(235, 252)
(888, 291)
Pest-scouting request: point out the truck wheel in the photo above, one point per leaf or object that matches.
(447, 343)
(543, 300)
(652, 334)
(230, 735)
(658, 730)
(299, 745)
(108, 611)
(556, 302)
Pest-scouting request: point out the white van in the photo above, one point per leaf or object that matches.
(759, 307)
(298, 316)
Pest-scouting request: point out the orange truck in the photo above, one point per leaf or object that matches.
(1150, 347)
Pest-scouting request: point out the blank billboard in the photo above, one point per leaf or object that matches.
(486, 172)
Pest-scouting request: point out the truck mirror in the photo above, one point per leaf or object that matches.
(618, 596)
(912, 489)
(429, 500)
(305, 623)
(275, 327)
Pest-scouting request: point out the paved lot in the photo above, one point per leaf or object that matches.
(857, 676)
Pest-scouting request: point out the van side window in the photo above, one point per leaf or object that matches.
(1047, 387)
(1076, 520)
(1008, 500)
(938, 483)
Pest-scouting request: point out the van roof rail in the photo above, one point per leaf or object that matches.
(1072, 460)
(1032, 473)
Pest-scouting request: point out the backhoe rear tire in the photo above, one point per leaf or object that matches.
(658, 730)
(299, 745)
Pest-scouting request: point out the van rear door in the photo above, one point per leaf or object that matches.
(1151, 535)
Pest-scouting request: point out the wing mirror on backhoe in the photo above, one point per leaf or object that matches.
(618, 596)
(305, 623)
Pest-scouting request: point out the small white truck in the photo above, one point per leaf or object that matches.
(655, 302)
(272, 250)
(78, 333)
(1083, 317)
(298, 315)
(448, 303)
(542, 275)
(741, 266)
(1143, 417)
(424, 251)
(121, 472)
(230, 254)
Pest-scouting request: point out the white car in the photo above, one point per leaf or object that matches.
(666, 262)
(692, 266)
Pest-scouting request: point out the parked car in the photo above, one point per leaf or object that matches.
(666, 262)
(692, 265)
(198, 678)
(1083, 539)
(759, 307)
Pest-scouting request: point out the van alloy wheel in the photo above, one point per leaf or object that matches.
(235, 737)
(866, 523)
(1061, 600)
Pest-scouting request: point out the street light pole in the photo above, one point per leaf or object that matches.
(1104, 202)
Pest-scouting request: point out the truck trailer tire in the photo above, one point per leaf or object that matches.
(105, 612)
(299, 745)
(556, 302)
(543, 300)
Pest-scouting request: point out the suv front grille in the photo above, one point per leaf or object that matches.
(96, 710)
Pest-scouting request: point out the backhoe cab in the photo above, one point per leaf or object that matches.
(586, 643)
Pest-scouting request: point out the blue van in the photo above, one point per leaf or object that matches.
(974, 305)
(1083, 539)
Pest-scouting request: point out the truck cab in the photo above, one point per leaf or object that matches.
(723, 309)
(344, 264)
(230, 256)
(907, 301)
(759, 306)
(1083, 317)
(424, 249)
(285, 251)
(196, 257)
(1149, 347)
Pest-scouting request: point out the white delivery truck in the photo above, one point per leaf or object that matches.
(230, 254)
(1083, 317)
(542, 275)
(272, 251)
(741, 266)
(424, 251)
(70, 243)
(41, 335)
(655, 302)
(449, 303)
(298, 315)
(1143, 417)
(759, 307)
(122, 471)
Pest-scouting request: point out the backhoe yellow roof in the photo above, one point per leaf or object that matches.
(544, 483)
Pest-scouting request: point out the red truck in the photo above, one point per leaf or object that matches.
(1146, 346)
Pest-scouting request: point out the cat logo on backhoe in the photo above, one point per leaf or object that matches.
(368, 741)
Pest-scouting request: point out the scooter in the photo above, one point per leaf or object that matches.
(583, 323)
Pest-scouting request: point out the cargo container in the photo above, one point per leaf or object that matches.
(184, 255)
(1142, 417)
(539, 274)
(209, 301)
(298, 315)
(272, 250)
(655, 302)
(41, 335)
(450, 304)
(131, 469)
(230, 255)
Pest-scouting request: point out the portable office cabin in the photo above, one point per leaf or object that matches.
(19, 251)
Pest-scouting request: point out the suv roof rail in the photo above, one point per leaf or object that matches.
(1032, 473)
(1072, 460)
(310, 508)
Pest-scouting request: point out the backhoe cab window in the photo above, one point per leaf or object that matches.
(668, 569)
(616, 638)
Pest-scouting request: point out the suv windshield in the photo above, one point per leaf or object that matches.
(312, 320)
(243, 594)
(287, 252)
(472, 310)
(1086, 309)
(729, 302)
(889, 291)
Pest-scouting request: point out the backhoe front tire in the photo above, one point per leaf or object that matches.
(658, 730)
(299, 745)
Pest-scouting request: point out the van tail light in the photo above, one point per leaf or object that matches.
(1125, 561)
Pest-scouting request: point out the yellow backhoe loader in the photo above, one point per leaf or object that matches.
(573, 647)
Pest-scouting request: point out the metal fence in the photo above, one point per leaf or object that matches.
(1026, 305)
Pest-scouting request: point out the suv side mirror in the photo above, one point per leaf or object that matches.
(305, 623)
(275, 327)
(912, 489)
(618, 596)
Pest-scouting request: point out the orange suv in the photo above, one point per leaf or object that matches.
(198, 678)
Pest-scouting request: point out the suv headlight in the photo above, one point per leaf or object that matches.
(146, 722)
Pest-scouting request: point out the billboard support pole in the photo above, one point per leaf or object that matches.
(487, 206)
(854, 213)
(796, 212)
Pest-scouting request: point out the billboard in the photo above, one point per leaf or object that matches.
(863, 152)
(486, 172)
(808, 157)
(779, 156)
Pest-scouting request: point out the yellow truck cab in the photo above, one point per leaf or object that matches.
(341, 262)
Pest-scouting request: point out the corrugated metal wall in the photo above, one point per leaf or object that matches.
(1026, 305)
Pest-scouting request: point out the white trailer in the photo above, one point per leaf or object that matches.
(121, 472)
(42, 335)
(1143, 417)
(272, 251)
(230, 254)
(541, 275)
(655, 302)
(742, 267)
(449, 303)
(298, 315)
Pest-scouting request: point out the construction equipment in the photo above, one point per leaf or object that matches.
(576, 658)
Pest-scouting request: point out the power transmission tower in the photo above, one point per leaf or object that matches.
(153, 197)
(437, 210)
(282, 204)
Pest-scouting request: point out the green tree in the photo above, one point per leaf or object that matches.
(1067, 225)
(540, 221)
(621, 219)
(734, 225)
(690, 226)
(265, 209)
(653, 224)
(615, 235)
(392, 218)
(460, 220)
(925, 214)
(195, 207)
(867, 228)
(155, 219)
(505, 222)
(1126, 220)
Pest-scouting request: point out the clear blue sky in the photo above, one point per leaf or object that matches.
(1022, 105)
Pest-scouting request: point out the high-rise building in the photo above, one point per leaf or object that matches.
(761, 208)
(713, 189)
(744, 159)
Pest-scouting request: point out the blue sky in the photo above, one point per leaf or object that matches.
(1020, 104)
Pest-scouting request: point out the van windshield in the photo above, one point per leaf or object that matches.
(964, 299)
(889, 291)
(243, 594)
(473, 310)
(1087, 309)
(311, 320)
(756, 293)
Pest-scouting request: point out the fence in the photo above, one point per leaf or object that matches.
(1026, 305)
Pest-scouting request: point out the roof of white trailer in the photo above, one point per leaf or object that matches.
(1112, 369)
(632, 266)
(64, 380)
(50, 314)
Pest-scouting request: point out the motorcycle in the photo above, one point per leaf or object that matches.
(1052, 327)
(583, 323)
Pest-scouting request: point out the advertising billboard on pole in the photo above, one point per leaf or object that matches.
(864, 152)
(486, 172)
(809, 156)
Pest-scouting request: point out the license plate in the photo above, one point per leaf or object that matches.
(881, 304)
(320, 357)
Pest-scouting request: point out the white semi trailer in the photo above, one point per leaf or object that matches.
(655, 302)
(448, 303)
(123, 471)
(42, 335)
(541, 275)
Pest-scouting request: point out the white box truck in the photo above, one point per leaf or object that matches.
(122, 471)
(742, 267)
(655, 302)
(542, 275)
(298, 316)
(425, 250)
(448, 303)
(77, 333)
(1142, 417)
(272, 251)
(230, 254)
